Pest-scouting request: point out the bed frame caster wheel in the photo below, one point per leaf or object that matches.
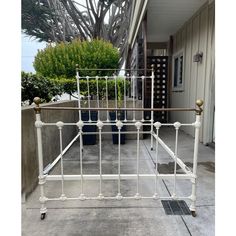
(193, 213)
(43, 215)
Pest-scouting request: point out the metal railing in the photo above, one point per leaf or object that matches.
(138, 124)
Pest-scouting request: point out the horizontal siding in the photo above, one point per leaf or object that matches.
(196, 35)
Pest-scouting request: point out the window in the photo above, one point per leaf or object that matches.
(178, 62)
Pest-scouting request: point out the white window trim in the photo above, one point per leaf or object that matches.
(179, 87)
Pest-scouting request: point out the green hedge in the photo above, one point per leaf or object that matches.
(61, 60)
(33, 85)
(70, 86)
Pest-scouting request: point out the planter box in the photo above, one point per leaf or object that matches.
(115, 129)
(89, 139)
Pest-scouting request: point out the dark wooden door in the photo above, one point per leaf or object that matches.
(160, 86)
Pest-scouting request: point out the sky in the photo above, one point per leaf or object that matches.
(29, 49)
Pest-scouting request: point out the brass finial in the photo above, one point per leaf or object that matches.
(199, 103)
(37, 101)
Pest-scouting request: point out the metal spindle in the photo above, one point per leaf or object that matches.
(142, 98)
(115, 78)
(119, 125)
(138, 125)
(60, 125)
(78, 90)
(125, 118)
(133, 79)
(107, 98)
(100, 125)
(87, 77)
(176, 125)
(152, 102)
(80, 124)
(157, 125)
(98, 98)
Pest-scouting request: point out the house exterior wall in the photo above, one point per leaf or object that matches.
(196, 35)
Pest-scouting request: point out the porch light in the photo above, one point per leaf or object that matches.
(198, 57)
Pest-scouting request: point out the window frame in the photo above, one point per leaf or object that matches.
(180, 86)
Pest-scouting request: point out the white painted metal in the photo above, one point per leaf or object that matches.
(78, 91)
(195, 157)
(98, 97)
(134, 94)
(176, 125)
(188, 174)
(115, 78)
(138, 126)
(80, 125)
(38, 125)
(119, 125)
(142, 98)
(171, 153)
(100, 125)
(106, 78)
(87, 77)
(116, 177)
(152, 102)
(125, 118)
(157, 125)
(51, 165)
(60, 125)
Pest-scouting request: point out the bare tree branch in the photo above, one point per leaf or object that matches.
(64, 20)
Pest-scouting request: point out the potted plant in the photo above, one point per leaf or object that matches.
(89, 139)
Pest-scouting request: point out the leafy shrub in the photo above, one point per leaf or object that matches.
(70, 86)
(33, 85)
(61, 60)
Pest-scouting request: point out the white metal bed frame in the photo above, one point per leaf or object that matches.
(154, 132)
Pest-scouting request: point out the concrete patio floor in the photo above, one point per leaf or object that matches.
(126, 217)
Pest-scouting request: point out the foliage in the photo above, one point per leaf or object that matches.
(61, 60)
(70, 86)
(38, 86)
(65, 20)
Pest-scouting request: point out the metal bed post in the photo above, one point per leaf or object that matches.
(42, 177)
(152, 102)
(197, 126)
